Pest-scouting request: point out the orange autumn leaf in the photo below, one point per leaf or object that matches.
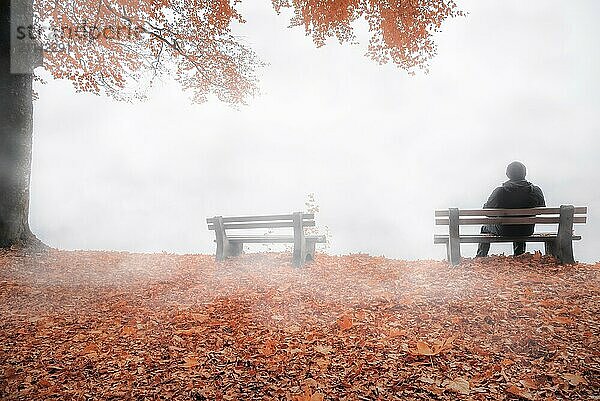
(190, 362)
(514, 390)
(308, 395)
(317, 397)
(394, 332)
(529, 383)
(423, 349)
(192, 331)
(574, 379)
(458, 385)
(345, 322)
(44, 383)
(128, 330)
(200, 317)
(269, 348)
(120, 304)
(444, 345)
(90, 348)
(323, 349)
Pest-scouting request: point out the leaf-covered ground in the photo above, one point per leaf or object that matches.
(107, 325)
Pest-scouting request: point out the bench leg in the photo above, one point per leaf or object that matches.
(549, 248)
(222, 249)
(226, 249)
(236, 248)
(310, 250)
(223, 246)
(297, 259)
(454, 237)
(564, 240)
(454, 256)
(564, 253)
(220, 254)
(299, 254)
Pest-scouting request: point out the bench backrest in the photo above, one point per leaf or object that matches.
(537, 215)
(267, 221)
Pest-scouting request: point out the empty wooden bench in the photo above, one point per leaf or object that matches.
(233, 245)
(559, 243)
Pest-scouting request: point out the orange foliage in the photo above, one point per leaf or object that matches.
(119, 47)
(401, 30)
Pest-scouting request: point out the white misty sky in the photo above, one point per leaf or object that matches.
(380, 149)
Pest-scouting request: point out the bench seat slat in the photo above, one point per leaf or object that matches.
(279, 239)
(272, 224)
(271, 217)
(257, 239)
(475, 239)
(509, 220)
(509, 212)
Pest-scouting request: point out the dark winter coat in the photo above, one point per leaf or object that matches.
(514, 195)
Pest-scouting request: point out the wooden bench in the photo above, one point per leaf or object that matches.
(559, 244)
(233, 245)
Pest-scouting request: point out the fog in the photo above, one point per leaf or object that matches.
(380, 149)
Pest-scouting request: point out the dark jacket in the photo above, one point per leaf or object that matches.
(514, 195)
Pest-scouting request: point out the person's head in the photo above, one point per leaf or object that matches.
(516, 171)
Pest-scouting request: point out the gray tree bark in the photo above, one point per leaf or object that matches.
(16, 134)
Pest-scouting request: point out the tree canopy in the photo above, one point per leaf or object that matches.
(119, 47)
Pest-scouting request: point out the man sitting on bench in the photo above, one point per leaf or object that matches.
(515, 193)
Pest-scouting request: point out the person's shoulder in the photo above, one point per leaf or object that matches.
(498, 190)
(539, 195)
(536, 188)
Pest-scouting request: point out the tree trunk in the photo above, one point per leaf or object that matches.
(16, 133)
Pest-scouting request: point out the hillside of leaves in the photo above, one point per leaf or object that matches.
(114, 326)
